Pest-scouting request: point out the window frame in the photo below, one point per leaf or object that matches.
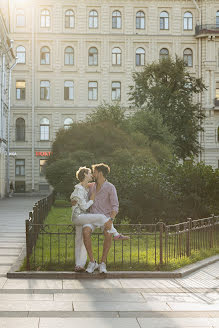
(45, 14)
(45, 53)
(69, 18)
(22, 94)
(93, 20)
(19, 167)
(140, 55)
(44, 129)
(93, 57)
(20, 130)
(114, 90)
(20, 15)
(68, 92)
(91, 90)
(21, 52)
(186, 21)
(187, 56)
(139, 19)
(117, 56)
(163, 56)
(43, 89)
(164, 20)
(69, 55)
(116, 19)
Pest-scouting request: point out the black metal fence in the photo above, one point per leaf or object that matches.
(51, 246)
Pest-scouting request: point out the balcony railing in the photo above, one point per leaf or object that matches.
(207, 29)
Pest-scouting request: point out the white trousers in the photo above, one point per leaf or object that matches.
(80, 222)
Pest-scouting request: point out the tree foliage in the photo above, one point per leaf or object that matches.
(167, 87)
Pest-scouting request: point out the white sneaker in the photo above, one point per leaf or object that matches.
(91, 267)
(102, 268)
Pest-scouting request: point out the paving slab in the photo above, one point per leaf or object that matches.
(148, 283)
(174, 322)
(2, 282)
(120, 306)
(27, 297)
(88, 322)
(193, 307)
(80, 284)
(9, 251)
(32, 284)
(19, 322)
(9, 245)
(7, 259)
(36, 306)
(137, 297)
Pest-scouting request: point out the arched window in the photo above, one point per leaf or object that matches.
(116, 56)
(93, 19)
(69, 19)
(164, 20)
(44, 129)
(20, 129)
(20, 18)
(45, 56)
(140, 20)
(188, 57)
(164, 53)
(68, 90)
(67, 123)
(69, 56)
(217, 18)
(140, 57)
(116, 90)
(187, 21)
(21, 54)
(93, 57)
(116, 19)
(44, 90)
(45, 18)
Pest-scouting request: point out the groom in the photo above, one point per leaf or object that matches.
(106, 202)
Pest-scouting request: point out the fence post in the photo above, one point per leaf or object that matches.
(188, 239)
(27, 246)
(161, 242)
(212, 227)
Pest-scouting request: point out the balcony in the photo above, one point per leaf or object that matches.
(216, 102)
(207, 29)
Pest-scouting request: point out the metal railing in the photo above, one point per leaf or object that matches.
(36, 220)
(150, 245)
(206, 29)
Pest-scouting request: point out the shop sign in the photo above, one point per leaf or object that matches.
(43, 153)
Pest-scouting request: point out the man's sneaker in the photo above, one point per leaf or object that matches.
(91, 267)
(102, 268)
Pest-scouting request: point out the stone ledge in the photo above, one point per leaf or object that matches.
(179, 273)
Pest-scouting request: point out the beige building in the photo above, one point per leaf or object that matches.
(75, 54)
(6, 58)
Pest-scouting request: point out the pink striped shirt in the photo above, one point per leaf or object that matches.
(106, 199)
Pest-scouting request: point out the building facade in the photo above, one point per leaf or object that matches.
(6, 58)
(74, 55)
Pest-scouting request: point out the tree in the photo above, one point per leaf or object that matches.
(107, 112)
(168, 88)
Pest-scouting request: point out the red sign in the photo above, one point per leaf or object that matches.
(43, 153)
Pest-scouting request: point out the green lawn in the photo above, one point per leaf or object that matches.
(54, 250)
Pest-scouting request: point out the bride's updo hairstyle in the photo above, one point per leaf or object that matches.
(80, 174)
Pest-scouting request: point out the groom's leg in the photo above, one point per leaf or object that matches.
(87, 242)
(106, 245)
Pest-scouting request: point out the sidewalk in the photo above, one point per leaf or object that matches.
(192, 301)
(13, 213)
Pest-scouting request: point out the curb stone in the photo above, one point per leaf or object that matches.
(179, 273)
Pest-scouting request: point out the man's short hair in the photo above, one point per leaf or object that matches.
(80, 174)
(104, 168)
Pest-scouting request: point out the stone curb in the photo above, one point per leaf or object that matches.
(110, 275)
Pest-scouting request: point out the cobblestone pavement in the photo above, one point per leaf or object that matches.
(187, 302)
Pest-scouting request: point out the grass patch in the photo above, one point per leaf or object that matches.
(54, 249)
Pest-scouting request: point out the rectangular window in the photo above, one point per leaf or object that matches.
(43, 167)
(20, 167)
(44, 90)
(44, 132)
(19, 186)
(92, 91)
(116, 91)
(20, 90)
(68, 90)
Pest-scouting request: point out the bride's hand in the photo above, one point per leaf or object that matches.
(93, 195)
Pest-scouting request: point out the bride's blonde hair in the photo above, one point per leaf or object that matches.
(80, 174)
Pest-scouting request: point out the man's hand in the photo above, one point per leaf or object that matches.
(74, 202)
(108, 225)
